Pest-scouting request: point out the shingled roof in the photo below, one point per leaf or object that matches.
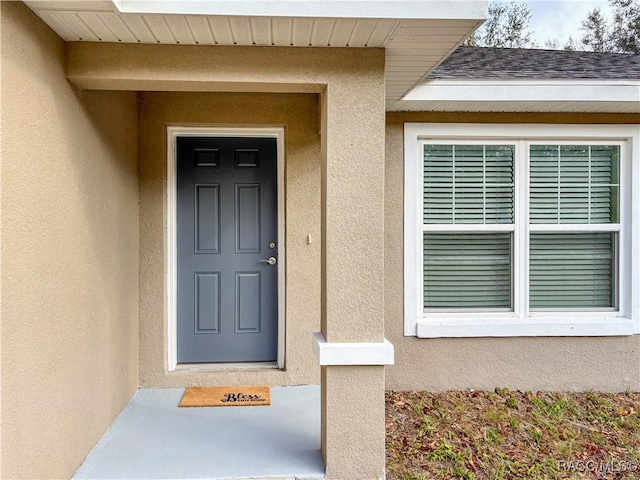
(516, 63)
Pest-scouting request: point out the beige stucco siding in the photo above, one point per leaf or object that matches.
(334, 188)
(542, 363)
(69, 229)
(298, 113)
(334, 179)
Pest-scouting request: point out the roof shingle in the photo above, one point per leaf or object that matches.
(516, 63)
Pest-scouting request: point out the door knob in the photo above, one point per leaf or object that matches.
(271, 261)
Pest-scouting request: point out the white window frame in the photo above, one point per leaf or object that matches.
(625, 320)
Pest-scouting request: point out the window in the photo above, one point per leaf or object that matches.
(574, 212)
(468, 220)
(519, 230)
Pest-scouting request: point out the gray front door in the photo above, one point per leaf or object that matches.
(227, 229)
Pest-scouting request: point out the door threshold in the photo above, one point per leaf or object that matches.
(227, 366)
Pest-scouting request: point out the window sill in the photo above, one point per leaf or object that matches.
(477, 326)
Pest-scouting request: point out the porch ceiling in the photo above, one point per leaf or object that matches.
(416, 34)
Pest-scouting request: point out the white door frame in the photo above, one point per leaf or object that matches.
(173, 132)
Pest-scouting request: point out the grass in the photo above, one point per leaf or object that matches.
(513, 435)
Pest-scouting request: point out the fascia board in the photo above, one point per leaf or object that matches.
(378, 9)
(527, 91)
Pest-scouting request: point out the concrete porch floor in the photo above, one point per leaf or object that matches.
(153, 438)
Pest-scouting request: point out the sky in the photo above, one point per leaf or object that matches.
(561, 18)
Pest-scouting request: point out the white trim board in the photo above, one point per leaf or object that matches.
(182, 131)
(379, 9)
(526, 91)
(508, 327)
(506, 95)
(354, 353)
(521, 322)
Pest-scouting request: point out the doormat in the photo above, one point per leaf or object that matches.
(226, 396)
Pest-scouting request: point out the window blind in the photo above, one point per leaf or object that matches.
(468, 184)
(574, 184)
(571, 270)
(467, 270)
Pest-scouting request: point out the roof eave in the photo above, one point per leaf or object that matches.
(378, 9)
(539, 95)
(416, 34)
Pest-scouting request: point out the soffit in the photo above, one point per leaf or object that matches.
(417, 35)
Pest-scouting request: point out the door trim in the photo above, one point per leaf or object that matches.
(173, 132)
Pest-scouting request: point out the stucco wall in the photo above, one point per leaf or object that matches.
(298, 113)
(69, 229)
(611, 363)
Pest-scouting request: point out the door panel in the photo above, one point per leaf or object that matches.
(247, 218)
(227, 218)
(247, 309)
(207, 302)
(207, 219)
